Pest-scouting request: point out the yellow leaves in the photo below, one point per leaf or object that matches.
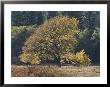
(80, 55)
(50, 43)
(30, 58)
(68, 57)
(35, 60)
(55, 36)
(80, 58)
(24, 57)
(77, 31)
(83, 58)
(64, 37)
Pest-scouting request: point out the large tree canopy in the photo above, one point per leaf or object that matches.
(52, 40)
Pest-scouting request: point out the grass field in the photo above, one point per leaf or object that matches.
(54, 71)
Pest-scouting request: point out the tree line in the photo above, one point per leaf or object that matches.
(88, 19)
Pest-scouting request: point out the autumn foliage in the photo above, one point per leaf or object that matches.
(79, 58)
(54, 42)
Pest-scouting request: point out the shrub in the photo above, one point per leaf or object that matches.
(82, 58)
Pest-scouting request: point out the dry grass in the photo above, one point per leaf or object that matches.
(54, 71)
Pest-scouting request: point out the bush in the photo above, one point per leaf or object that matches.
(80, 58)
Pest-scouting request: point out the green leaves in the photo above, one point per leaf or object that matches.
(96, 34)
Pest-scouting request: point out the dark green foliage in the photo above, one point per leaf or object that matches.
(18, 38)
(84, 20)
(23, 18)
(90, 41)
(60, 13)
(88, 19)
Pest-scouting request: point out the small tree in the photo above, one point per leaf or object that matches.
(52, 39)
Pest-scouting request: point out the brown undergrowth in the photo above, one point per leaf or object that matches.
(54, 71)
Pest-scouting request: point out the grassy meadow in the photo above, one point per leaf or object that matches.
(54, 71)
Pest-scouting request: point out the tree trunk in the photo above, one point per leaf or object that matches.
(58, 62)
